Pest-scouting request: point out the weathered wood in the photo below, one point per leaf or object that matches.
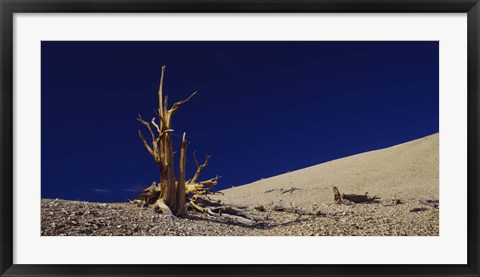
(200, 167)
(337, 194)
(181, 178)
(422, 209)
(206, 202)
(195, 206)
(170, 193)
(430, 202)
(352, 198)
(200, 188)
(290, 190)
(236, 212)
(162, 207)
(231, 217)
(357, 198)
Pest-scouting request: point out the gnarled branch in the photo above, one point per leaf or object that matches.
(156, 126)
(140, 119)
(160, 92)
(145, 143)
(179, 103)
(199, 168)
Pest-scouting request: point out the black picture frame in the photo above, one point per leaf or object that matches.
(9, 7)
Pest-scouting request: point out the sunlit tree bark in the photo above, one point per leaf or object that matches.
(169, 195)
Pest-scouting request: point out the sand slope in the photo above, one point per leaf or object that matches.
(406, 171)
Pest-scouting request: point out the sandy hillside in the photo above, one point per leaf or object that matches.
(406, 173)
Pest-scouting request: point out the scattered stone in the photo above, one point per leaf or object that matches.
(431, 202)
(391, 202)
(414, 210)
(305, 219)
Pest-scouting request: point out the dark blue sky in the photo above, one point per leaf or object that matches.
(262, 108)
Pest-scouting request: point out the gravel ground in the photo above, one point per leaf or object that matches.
(74, 218)
(407, 172)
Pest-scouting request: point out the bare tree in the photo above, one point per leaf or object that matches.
(169, 195)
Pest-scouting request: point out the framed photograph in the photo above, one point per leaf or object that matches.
(205, 138)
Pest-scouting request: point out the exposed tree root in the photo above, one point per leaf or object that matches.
(148, 197)
(200, 203)
(231, 217)
(162, 207)
(215, 208)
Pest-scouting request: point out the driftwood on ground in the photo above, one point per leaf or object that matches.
(350, 199)
(292, 189)
(204, 204)
(430, 202)
(421, 209)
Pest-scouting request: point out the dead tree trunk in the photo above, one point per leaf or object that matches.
(161, 149)
(181, 178)
(169, 195)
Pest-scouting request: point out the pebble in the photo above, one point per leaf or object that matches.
(73, 218)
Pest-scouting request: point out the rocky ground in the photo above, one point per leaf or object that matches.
(73, 218)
